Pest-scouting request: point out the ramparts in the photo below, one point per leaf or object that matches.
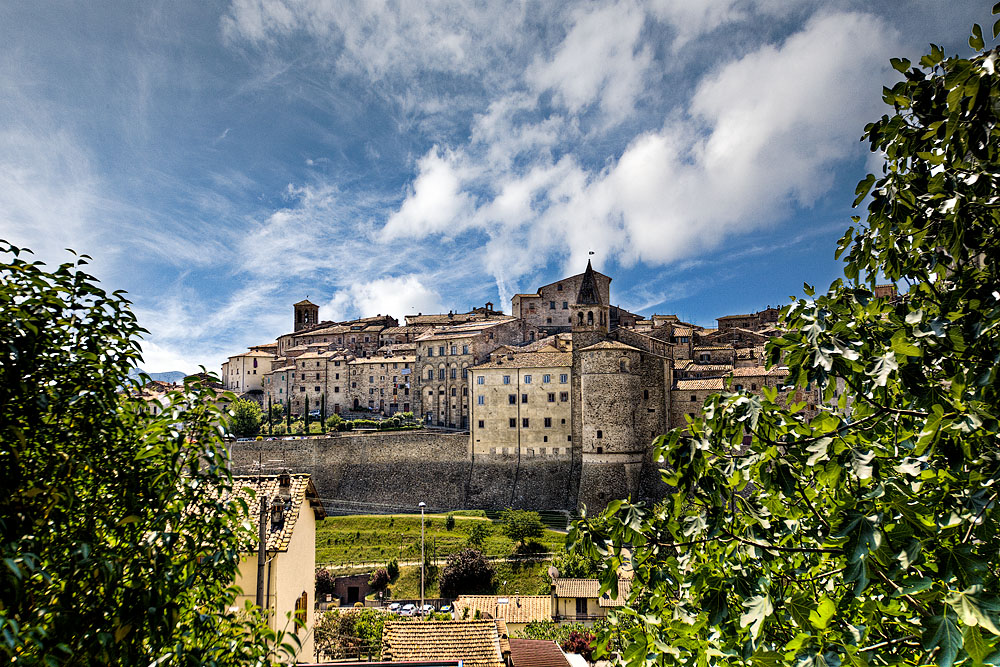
(393, 471)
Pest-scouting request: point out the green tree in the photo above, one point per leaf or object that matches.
(119, 535)
(869, 533)
(467, 573)
(322, 413)
(277, 412)
(349, 633)
(306, 425)
(521, 525)
(246, 418)
(449, 522)
(573, 565)
(478, 533)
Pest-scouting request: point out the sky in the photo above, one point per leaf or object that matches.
(220, 161)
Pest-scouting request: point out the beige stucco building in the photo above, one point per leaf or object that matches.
(290, 524)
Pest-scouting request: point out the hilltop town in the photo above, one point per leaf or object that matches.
(566, 378)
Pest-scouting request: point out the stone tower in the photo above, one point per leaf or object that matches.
(611, 403)
(306, 314)
(589, 314)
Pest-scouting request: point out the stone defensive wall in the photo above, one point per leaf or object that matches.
(391, 472)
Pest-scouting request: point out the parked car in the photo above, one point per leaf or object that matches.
(445, 609)
(408, 610)
(427, 610)
(244, 439)
(394, 607)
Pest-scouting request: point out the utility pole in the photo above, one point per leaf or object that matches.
(261, 551)
(423, 505)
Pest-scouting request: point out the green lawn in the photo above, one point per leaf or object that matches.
(343, 540)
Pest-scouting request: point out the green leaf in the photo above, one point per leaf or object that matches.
(758, 608)
(821, 615)
(976, 40)
(974, 644)
(942, 633)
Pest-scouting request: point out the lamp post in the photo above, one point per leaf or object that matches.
(422, 506)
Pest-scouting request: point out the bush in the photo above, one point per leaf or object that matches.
(393, 569)
(379, 580)
(245, 419)
(580, 642)
(467, 573)
(324, 582)
(479, 532)
(449, 523)
(521, 525)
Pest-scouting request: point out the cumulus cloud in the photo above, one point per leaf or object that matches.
(435, 204)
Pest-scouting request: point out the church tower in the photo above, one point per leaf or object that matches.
(306, 314)
(590, 314)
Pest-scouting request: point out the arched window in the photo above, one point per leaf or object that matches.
(602, 317)
(579, 317)
(623, 366)
(590, 317)
(600, 434)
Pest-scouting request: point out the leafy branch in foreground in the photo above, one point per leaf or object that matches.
(867, 534)
(119, 540)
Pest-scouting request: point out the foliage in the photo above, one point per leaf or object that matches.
(393, 569)
(449, 522)
(246, 418)
(349, 633)
(573, 565)
(467, 573)
(869, 533)
(119, 537)
(580, 642)
(277, 410)
(324, 582)
(521, 525)
(479, 532)
(380, 579)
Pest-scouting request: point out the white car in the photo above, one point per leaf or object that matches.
(408, 610)
(427, 610)
(394, 607)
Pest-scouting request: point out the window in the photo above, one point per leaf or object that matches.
(301, 607)
(693, 398)
(546, 379)
(623, 366)
(512, 422)
(302, 389)
(548, 320)
(600, 434)
(430, 373)
(645, 394)
(559, 287)
(524, 423)
(548, 422)
(563, 378)
(512, 399)
(453, 390)
(441, 350)
(336, 390)
(552, 397)
(371, 378)
(738, 387)
(480, 379)
(482, 423)
(430, 351)
(524, 398)
(465, 373)
(454, 373)
(552, 306)
(753, 387)
(440, 374)
(704, 356)
(336, 376)
(506, 379)
(527, 379)
(563, 396)
(316, 389)
(454, 349)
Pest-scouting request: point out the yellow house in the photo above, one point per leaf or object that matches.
(289, 582)
(516, 610)
(579, 600)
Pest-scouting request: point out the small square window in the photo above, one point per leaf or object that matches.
(512, 422)
(546, 379)
(524, 423)
(524, 398)
(563, 378)
(480, 379)
(482, 423)
(527, 379)
(552, 397)
(512, 399)
(506, 379)
(548, 422)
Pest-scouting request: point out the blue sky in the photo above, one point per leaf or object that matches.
(221, 161)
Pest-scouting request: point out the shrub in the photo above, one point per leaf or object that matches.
(467, 572)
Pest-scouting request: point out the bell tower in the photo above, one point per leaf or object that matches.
(306, 314)
(590, 314)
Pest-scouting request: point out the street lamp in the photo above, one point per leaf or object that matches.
(422, 506)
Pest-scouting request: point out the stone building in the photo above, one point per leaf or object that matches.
(548, 309)
(522, 404)
(322, 376)
(381, 384)
(443, 358)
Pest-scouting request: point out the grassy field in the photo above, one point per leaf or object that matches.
(344, 540)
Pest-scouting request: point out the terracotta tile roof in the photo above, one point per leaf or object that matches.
(759, 371)
(301, 494)
(475, 643)
(536, 653)
(529, 360)
(714, 384)
(756, 352)
(624, 590)
(733, 317)
(512, 608)
(694, 366)
(712, 347)
(610, 345)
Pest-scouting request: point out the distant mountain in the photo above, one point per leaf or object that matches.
(169, 376)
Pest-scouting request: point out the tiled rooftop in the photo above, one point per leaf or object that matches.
(714, 384)
(475, 643)
(530, 360)
(512, 608)
(536, 653)
(610, 345)
(302, 495)
(589, 588)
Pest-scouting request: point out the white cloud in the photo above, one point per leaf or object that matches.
(601, 61)
(435, 204)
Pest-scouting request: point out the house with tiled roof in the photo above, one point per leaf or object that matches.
(536, 653)
(476, 643)
(290, 509)
(580, 600)
(515, 610)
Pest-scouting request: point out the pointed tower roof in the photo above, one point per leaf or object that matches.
(589, 294)
(304, 302)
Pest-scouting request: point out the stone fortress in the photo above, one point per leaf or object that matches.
(552, 407)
